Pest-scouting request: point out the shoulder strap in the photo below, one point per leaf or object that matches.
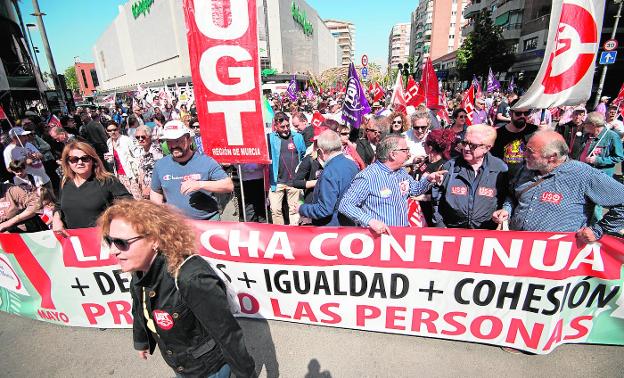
(178, 270)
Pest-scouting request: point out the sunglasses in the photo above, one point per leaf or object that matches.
(121, 244)
(517, 113)
(195, 127)
(140, 137)
(373, 131)
(111, 130)
(397, 121)
(461, 116)
(420, 127)
(471, 146)
(345, 134)
(75, 159)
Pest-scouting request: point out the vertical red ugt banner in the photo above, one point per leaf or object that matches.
(223, 49)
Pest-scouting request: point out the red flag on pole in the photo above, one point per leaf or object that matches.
(428, 90)
(397, 102)
(2, 113)
(618, 101)
(411, 93)
(378, 93)
(468, 104)
(443, 111)
(317, 119)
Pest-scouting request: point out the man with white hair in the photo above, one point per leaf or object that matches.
(20, 149)
(337, 174)
(475, 186)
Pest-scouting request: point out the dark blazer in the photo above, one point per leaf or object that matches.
(365, 150)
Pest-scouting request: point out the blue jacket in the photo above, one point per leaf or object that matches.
(468, 201)
(334, 181)
(275, 143)
(607, 149)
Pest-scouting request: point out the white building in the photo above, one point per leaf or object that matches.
(344, 32)
(150, 48)
(398, 45)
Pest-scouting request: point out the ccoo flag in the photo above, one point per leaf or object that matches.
(567, 71)
(355, 104)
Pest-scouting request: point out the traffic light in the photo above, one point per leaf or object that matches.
(36, 49)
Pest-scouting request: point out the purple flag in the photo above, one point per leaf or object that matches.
(355, 104)
(512, 85)
(292, 89)
(492, 83)
(309, 94)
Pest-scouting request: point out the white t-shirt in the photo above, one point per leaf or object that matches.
(14, 152)
(617, 126)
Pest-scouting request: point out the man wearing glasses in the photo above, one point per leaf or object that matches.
(367, 145)
(416, 135)
(286, 149)
(187, 179)
(377, 197)
(512, 138)
(475, 186)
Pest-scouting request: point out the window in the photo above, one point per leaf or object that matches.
(530, 44)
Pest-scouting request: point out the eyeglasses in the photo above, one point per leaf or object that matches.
(518, 114)
(140, 137)
(471, 146)
(406, 150)
(111, 130)
(195, 126)
(345, 133)
(421, 128)
(397, 121)
(75, 159)
(121, 244)
(373, 131)
(461, 116)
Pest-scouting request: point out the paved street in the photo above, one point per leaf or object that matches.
(36, 349)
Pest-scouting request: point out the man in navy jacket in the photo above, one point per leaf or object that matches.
(338, 172)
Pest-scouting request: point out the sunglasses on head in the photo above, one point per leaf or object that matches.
(76, 159)
(121, 244)
(280, 120)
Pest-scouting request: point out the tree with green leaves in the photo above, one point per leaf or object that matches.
(70, 78)
(484, 47)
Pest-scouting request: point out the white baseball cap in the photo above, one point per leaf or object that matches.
(18, 131)
(174, 129)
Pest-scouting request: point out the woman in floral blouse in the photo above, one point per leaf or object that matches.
(150, 153)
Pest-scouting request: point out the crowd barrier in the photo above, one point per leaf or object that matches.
(527, 290)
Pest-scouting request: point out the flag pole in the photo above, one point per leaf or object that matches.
(242, 190)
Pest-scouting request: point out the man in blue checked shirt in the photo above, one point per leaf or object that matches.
(556, 194)
(377, 197)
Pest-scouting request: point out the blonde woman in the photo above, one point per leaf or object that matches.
(178, 301)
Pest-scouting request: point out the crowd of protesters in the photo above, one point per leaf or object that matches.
(476, 169)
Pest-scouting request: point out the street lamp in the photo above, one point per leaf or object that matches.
(34, 48)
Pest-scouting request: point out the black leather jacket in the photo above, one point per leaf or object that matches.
(195, 330)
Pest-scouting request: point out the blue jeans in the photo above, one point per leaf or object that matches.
(224, 372)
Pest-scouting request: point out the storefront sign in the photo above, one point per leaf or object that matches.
(223, 50)
(141, 7)
(302, 19)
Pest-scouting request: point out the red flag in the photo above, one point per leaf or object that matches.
(370, 87)
(378, 93)
(2, 113)
(415, 216)
(468, 104)
(397, 102)
(411, 93)
(428, 89)
(54, 121)
(317, 119)
(620, 97)
(443, 111)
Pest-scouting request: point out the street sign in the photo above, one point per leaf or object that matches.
(364, 72)
(607, 57)
(364, 60)
(610, 45)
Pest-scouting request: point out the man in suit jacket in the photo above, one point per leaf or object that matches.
(337, 175)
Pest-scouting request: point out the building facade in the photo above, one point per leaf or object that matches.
(151, 48)
(86, 78)
(344, 32)
(398, 45)
(436, 28)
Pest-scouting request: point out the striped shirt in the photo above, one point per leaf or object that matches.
(564, 200)
(380, 193)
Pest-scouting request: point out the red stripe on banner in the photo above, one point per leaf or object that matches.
(528, 254)
(223, 52)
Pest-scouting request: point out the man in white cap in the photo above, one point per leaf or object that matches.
(602, 105)
(21, 150)
(187, 179)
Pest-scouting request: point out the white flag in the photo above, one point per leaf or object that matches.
(567, 71)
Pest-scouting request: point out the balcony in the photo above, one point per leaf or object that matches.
(474, 8)
(467, 29)
(512, 31)
(507, 6)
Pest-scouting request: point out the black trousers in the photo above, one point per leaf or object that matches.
(254, 200)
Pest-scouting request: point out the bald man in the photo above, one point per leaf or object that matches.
(554, 193)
